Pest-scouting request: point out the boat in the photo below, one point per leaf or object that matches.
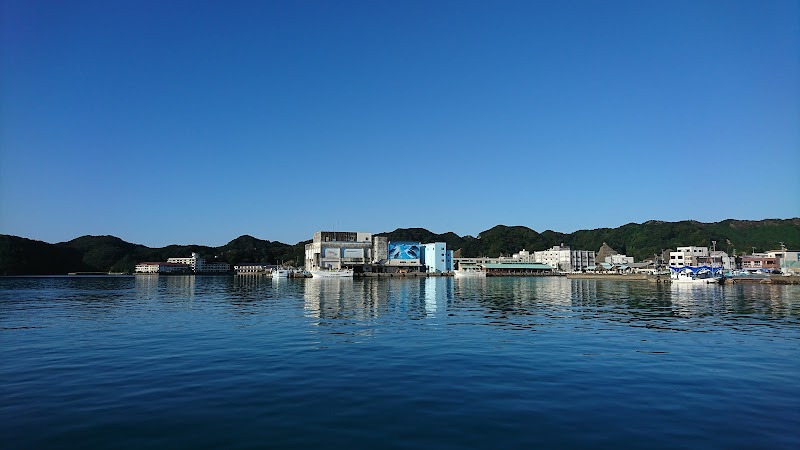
(697, 275)
(281, 272)
(332, 273)
(465, 271)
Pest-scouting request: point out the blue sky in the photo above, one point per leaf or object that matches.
(197, 122)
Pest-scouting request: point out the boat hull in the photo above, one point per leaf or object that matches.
(347, 273)
(697, 275)
(469, 274)
(715, 280)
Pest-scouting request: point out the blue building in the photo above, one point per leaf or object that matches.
(436, 257)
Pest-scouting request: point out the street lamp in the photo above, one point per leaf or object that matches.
(713, 252)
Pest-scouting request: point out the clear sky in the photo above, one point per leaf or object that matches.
(195, 122)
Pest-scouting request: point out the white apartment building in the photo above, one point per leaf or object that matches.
(565, 259)
(161, 267)
(701, 256)
(523, 256)
(688, 256)
(200, 265)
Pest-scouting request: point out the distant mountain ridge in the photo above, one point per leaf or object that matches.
(22, 256)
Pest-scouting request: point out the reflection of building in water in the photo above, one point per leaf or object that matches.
(438, 293)
(251, 282)
(146, 287)
(171, 287)
(695, 299)
(554, 291)
(583, 291)
(180, 286)
(333, 297)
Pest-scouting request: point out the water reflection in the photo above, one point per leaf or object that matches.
(518, 302)
(334, 298)
(438, 295)
(180, 288)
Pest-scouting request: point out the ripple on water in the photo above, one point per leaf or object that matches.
(403, 363)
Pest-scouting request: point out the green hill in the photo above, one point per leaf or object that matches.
(21, 256)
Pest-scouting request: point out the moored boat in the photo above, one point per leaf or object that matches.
(332, 273)
(281, 272)
(697, 275)
(469, 271)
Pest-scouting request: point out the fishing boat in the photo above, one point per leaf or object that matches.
(697, 275)
(465, 271)
(281, 272)
(332, 273)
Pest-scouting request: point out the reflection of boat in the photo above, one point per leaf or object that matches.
(469, 271)
(332, 273)
(281, 272)
(697, 275)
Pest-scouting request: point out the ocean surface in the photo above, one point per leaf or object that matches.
(436, 363)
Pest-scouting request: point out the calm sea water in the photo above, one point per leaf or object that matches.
(210, 362)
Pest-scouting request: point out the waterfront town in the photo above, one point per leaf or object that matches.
(366, 254)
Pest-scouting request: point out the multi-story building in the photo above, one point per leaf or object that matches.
(436, 257)
(564, 259)
(344, 249)
(788, 260)
(761, 262)
(687, 256)
(701, 256)
(200, 265)
(523, 256)
(161, 267)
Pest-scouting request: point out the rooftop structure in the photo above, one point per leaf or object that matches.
(344, 249)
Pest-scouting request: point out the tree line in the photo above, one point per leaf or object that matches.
(21, 256)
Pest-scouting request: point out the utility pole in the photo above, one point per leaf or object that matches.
(783, 257)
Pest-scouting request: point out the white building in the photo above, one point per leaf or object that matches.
(619, 259)
(701, 256)
(565, 259)
(200, 265)
(161, 267)
(688, 256)
(523, 256)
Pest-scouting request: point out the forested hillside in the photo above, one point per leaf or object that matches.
(21, 256)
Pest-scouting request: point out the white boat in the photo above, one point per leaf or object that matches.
(281, 272)
(696, 275)
(332, 273)
(469, 271)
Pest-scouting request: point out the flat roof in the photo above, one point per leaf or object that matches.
(517, 266)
